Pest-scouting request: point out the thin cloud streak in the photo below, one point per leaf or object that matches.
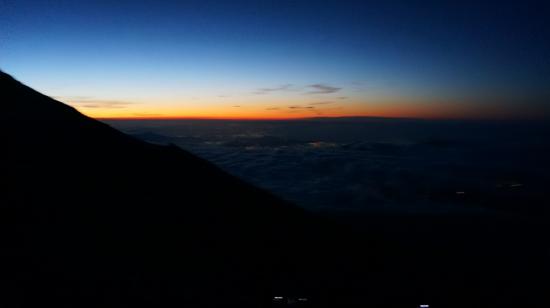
(284, 87)
(316, 88)
(301, 107)
(320, 88)
(90, 102)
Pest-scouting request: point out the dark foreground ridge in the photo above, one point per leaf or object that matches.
(91, 217)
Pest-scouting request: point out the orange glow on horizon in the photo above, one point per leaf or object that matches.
(385, 109)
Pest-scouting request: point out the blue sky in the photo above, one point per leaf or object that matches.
(203, 58)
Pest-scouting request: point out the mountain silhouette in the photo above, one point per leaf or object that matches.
(91, 217)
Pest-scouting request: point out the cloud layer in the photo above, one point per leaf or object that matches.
(358, 165)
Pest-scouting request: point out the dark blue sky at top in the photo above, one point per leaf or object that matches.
(420, 49)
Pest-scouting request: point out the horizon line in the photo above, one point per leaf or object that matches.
(176, 118)
(168, 118)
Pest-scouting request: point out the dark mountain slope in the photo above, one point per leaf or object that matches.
(92, 217)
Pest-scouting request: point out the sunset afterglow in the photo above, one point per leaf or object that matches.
(237, 60)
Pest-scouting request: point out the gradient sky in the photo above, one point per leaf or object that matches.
(282, 59)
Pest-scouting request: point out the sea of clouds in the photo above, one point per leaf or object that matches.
(373, 164)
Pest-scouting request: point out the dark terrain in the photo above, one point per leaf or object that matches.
(91, 217)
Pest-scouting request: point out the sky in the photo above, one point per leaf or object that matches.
(282, 59)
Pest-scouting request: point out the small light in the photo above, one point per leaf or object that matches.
(424, 306)
(302, 299)
(277, 298)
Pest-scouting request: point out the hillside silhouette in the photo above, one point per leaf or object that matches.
(91, 217)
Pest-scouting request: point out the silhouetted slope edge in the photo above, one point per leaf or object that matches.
(94, 217)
